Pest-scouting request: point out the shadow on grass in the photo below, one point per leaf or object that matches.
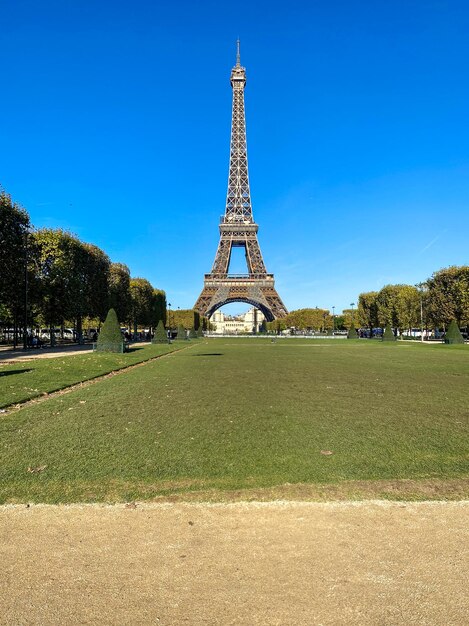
(208, 354)
(10, 372)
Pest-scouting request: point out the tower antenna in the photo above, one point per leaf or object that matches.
(238, 56)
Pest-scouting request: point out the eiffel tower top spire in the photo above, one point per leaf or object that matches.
(238, 198)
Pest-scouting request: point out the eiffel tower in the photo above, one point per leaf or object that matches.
(238, 229)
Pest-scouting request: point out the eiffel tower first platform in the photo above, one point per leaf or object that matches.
(238, 229)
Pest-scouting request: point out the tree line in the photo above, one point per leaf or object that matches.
(50, 278)
(432, 304)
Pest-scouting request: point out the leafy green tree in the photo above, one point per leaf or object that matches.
(183, 317)
(387, 306)
(448, 296)
(110, 338)
(181, 332)
(160, 334)
(158, 307)
(408, 307)
(14, 246)
(120, 298)
(367, 312)
(313, 319)
(141, 293)
(60, 293)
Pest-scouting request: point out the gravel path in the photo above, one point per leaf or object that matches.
(286, 563)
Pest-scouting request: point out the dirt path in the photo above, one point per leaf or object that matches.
(272, 563)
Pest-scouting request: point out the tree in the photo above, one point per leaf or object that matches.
(183, 317)
(110, 337)
(387, 306)
(158, 307)
(60, 292)
(14, 244)
(141, 293)
(311, 319)
(352, 333)
(119, 291)
(448, 296)
(193, 333)
(367, 312)
(407, 307)
(181, 332)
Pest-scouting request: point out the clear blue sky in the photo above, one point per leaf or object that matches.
(115, 123)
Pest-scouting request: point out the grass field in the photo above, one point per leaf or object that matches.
(248, 414)
(29, 379)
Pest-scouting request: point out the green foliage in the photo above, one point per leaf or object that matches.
(160, 334)
(196, 320)
(119, 291)
(453, 334)
(313, 319)
(388, 334)
(141, 298)
(368, 310)
(110, 337)
(448, 296)
(352, 333)
(181, 332)
(158, 307)
(200, 332)
(14, 224)
(192, 333)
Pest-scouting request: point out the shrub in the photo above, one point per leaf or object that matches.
(160, 334)
(453, 334)
(192, 334)
(110, 338)
(388, 335)
(200, 332)
(352, 333)
(181, 332)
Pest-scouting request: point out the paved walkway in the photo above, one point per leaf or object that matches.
(15, 356)
(374, 563)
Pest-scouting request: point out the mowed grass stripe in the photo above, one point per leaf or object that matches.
(24, 380)
(226, 415)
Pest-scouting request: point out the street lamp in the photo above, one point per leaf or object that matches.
(333, 319)
(25, 321)
(169, 322)
(352, 304)
(420, 287)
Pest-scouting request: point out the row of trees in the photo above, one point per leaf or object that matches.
(49, 277)
(433, 304)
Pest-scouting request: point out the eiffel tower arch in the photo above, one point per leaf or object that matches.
(238, 229)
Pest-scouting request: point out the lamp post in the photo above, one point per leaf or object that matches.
(352, 304)
(169, 322)
(420, 288)
(25, 321)
(333, 320)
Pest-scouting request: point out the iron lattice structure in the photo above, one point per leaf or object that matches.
(238, 229)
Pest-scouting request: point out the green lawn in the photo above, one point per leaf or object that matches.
(29, 379)
(239, 414)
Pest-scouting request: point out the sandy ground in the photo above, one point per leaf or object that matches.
(259, 563)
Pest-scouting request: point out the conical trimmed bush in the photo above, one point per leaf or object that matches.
(388, 335)
(110, 338)
(453, 334)
(352, 333)
(181, 332)
(160, 334)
